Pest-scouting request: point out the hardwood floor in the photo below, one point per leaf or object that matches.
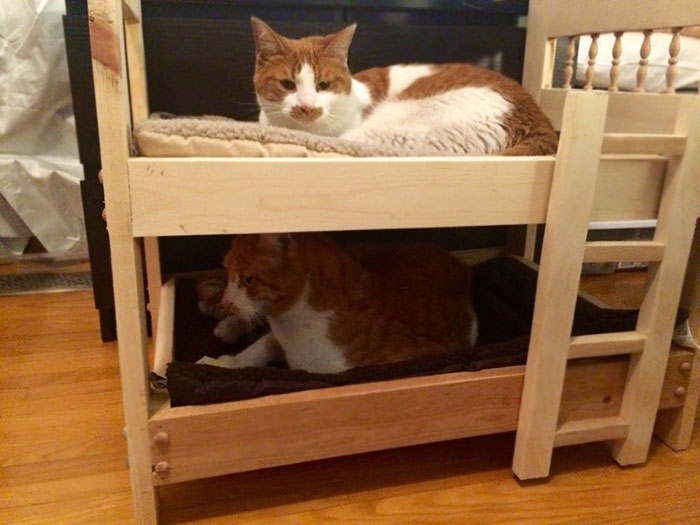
(62, 454)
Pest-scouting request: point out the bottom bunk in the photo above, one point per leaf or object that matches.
(327, 419)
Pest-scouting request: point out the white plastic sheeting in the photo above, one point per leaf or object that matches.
(39, 166)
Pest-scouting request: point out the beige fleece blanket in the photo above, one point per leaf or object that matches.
(224, 137)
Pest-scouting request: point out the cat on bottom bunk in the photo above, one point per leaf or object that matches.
(455, 108)
(331, 308)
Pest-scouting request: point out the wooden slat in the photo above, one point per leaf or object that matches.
(675, 228)
(154, 278)
(570, 203)
(138, 90)
(628, 188)
(132, 11)
(279, 430)
(623, 251)
(208, 195)
(590, 430)
(538, 51)
(599, 345)
(217, 439)
(627, 112)
(575, 18)
(109, 73)
(219, 196)
(631, 143)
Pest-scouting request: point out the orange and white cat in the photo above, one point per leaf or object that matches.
(305, 84)
(330, 308)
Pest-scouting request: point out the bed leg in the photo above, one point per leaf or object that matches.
(674, 426)
(113, 119)
(675, 228)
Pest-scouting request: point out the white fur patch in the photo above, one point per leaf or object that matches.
(303, 334)
(340, 112)
(238, 297)
(306, 86)
(362, 95)
(464, 121)
(402, 76)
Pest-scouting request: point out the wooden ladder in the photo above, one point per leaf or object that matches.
(564, 251)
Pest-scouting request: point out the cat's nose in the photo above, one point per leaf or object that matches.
(306, 108)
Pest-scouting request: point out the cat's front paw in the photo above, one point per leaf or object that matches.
(229, 329)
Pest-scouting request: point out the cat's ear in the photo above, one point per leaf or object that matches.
(274, 242)
(339, 43)
(267, 42)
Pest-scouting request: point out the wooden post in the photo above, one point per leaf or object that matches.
(615, 68)
(568, 215)
(674, 50)
(154, 278)
(537, 73)
(592, 55)
(675, 226)
(674, 426)
(643, 61)
(537, 49)
(111, 97)
(569, 67)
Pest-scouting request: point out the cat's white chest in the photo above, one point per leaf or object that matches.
(303, 334)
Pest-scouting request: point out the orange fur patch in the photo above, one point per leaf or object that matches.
(390, 302)
(279, 58)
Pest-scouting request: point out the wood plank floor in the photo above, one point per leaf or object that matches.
(62, 454)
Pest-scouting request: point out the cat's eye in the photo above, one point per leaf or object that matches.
(323, 85)
(246, 280)
(287, 84)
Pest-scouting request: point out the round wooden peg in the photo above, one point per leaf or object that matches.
(100, 177)
(679, 392)
(162, 468)
(161, 439)
(685, 367)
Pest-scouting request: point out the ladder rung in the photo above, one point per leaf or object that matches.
(599, 345)
(633, 143)
(623, 251)
(590, 430)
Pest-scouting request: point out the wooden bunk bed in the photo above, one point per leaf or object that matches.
(620, 156)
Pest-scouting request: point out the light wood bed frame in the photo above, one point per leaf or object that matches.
(621, 156)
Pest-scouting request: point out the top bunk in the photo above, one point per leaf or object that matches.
(214, 193)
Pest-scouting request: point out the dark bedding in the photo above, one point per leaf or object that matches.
(504, 291)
